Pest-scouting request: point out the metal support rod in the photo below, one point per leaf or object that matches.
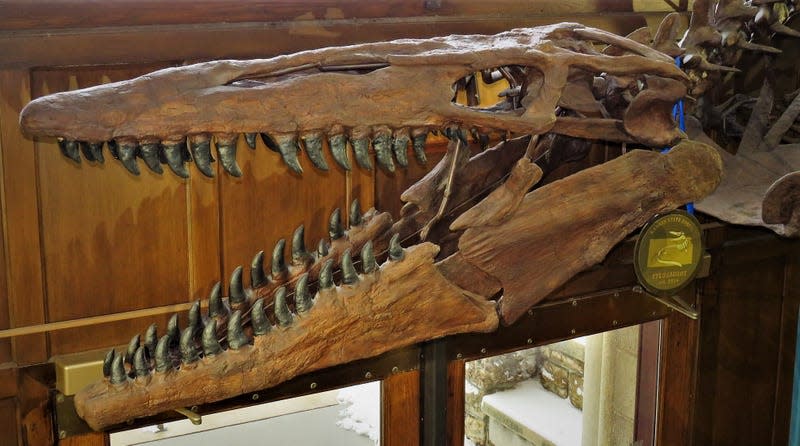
(433, 385)
(194, 417)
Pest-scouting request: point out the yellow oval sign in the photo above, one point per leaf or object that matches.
(667, 254)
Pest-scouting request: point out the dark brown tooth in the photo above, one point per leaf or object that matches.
(282, 313)
(302, 298)
(141, 362)
(69, 148)
(126, 149)
(420, 136)
(163, 356)
(278, 262)
(226, 149)
(189, 351)
(113, 149)
(359, 139)
(368, 262)
(335, 225)
(258, 319)
(236, 337)
(132, 346)
(395, 250)
(400, 146)
(96, 149)
(109, 359)
(195, 319)
(382, 143)
(118, 375)
(313, 145)
(173, 331)
(349, 274)
(338, 145)
(270, 143)
(288, 148)
(215, 305)
(209, 340)
(174, 154)
(322, 248)
(299, 253)
(250, 139)
(355, 213)
(236, 288)
(257, 276)
(326, 275)
(87, 151)
(151, 338)
(200, 146)
(148, 150)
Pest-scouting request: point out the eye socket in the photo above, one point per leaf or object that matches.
(496, 89)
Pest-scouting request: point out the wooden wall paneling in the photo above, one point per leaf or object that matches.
(35, 410)
(246, 40)
(20, 197)
(786, 351)
(92, 439)
(456, 376)
(400, 415)
(21, 14)
(269, 201)
(112, 241)
(5, 344)
(8, 421)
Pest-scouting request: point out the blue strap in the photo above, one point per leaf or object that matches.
(679, 114)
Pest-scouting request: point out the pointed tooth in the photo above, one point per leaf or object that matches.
(96, 148)
(195, 319)
(133, 344)
(335, 225)
(69, 148)
(313, 145)
(419, 146)
(326, 275)
(189, 351)
(299, 253)
(173, 153)
(288, 148)
(151, 338)
(259, 320)
(257, 276)
(382, 143)
(361, 150)
(127, 155)
(118, 375)
(215, 305)
(173, 331)
(113, 149)
(282, 313)
(278, 263)
(109, 359)
(149, 153)
(395, 250)
(209, 340)
(141, 362)
(368, 262)
(322, 248)
(236, 337)
(400, 146)
(302, 298)
(338, 145)
(270, 143)
(86, 150)
(250, 139)
(226, 149)
(236, 289)
(349, 274)
(355, 213)
(200, 146)
(163, 359)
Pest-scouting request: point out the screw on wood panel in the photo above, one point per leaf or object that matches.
(368, 375)
(194, 409)
(313, 386)
(483, 350)
(459, 356)
(60, 398)
(572, 331)
(62, 435)
(255, 397)
(530, 340)
(395, 369)
(614, 322)
(574, 302)
(530, 312)
(653, 313)
(616, 293)
(433, 4)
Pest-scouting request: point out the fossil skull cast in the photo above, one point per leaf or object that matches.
(496, 235)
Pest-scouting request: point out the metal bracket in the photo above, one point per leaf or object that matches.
(673, 302)
(193, 416)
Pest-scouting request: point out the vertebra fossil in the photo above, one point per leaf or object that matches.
(494, 235)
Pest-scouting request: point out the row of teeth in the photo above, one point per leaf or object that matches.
(389, 146)
(201, 338)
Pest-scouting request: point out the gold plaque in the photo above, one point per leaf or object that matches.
(667, 254)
